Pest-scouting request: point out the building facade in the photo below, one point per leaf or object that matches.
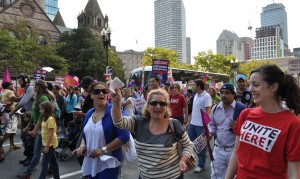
(188, 51)
(32, 12)
(131, 60)
(170, 26)
(247, 43)
(274, 14)
(296, 52)
(268, 43)
(229, 43)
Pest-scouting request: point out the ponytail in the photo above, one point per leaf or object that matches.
(290, 92)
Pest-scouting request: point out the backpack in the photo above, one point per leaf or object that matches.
(56, 109)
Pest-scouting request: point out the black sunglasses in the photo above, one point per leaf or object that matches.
(68, 89)
(98, 91)
(154, 103)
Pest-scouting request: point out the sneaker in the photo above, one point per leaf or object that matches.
(24, 175)
(13, 147)
(198, 170)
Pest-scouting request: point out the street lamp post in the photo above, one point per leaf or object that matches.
(234, 66)
(105, 33)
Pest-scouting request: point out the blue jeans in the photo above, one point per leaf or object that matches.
(36, 154)
(111, 173)
(49, 158)
(194, 132)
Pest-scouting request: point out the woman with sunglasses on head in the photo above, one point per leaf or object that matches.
(71, 102)
(267, 137)
(156, 139)
(102, 141)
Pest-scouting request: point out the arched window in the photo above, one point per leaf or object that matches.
(99, 22)
(42, 40)
(12, 34)
(29, 31)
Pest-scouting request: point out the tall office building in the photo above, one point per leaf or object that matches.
(170, 27)
(188, 51)
(268, 43)
(229, 43)
(274, 14)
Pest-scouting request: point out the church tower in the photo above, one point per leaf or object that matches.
(92, 17)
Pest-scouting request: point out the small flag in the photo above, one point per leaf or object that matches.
(70, 81)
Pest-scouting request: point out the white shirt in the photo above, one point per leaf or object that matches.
(201, 101)
(95, 139)
(128, 109)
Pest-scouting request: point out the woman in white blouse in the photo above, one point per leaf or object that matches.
(102, 141)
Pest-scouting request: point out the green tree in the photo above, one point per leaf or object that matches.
(247, 67)
(160, 53)
(210, 62)
(21, 50)
(116, 63)
(86, 54)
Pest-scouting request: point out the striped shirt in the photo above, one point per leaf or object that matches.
(157, 154)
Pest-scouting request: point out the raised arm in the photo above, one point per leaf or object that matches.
(116, 113)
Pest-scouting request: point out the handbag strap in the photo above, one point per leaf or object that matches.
(172, 128)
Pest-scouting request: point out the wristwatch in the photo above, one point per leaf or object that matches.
(104, 149)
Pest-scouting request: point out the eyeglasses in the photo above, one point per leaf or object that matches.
(68, 89)
(98, 91)
(154, 103)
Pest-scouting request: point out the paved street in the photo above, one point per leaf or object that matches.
(69, 169)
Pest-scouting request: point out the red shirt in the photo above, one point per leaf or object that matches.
(267, 142)
(177, 103)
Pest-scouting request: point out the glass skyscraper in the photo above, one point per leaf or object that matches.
(51, 8)
(274, 14)
(170, 27)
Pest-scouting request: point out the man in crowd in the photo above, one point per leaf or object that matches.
(27, 99)
(223, 118)
(242, 93)
(202, 100)
(60, 100)
(154, 83)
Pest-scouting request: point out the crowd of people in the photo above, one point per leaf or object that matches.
(254, 126)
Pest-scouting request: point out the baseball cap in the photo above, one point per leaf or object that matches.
(241, 76)
(86, 81)
(5, 85)
(228, 86)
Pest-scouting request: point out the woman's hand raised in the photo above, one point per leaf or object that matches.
(116, 97)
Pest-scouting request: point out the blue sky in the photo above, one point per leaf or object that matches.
(133, 20)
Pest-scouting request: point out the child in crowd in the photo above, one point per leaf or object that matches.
(49, 140)
(27, 139)
(69, 137)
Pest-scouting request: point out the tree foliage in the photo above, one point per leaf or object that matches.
(247, 67)
(86, 54)
(210, 62)
(160, 53)
(21, 50)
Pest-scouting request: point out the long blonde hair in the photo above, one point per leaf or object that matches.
(146, 112)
